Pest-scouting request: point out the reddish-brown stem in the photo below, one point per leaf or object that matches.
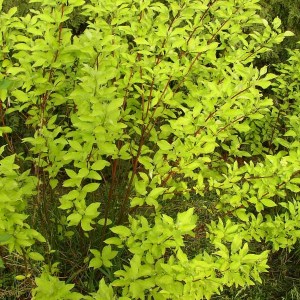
(179, 192)
(60, 25)
(46, 95)
(159, 100)
(251, 54)
(44, 99)
(143, 97)
(283, 183)
(97, 61)
(258, 177)
(159, 58)
(207, 118)
(110, 197)
(145, 129)
(134, 171)
(127, 89)
(170, 175)
(240, 92)
(201, 20)
(229, 124)
(150, 97)
(198, 56)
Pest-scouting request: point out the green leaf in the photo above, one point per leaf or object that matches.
(75, 145)
(94, 175)
(20, 277)
(83, 172)
(53, 183)
(76, 2)
(290, 133)
(4, 237)
(140, 186)
(276, 23)
(155, 193)
(71, 173)
(122, 231)
(102, 221)
(186, 221)
(241, 214)
(141, 41)
(293, 187)
(91, 187)
(288, 33)
(164, 145)
(108, 255)
(105, 292)
(236, 243)
(137, 201)
(152, 202)
(72, 182)
(95, 262)
(5, 129)
(91, 210)
(36, 256)
(86, 224)
(208, 148)
(74, 219)
(182, 257)
(242, 127)
(256, 116)
(268, 203)
(263, 83)
(20, 95)
(113, 241)
(266, 102)
(99, 165)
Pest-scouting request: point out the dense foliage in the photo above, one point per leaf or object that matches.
(154, 103)
(289, 12)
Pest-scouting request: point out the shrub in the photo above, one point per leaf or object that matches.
(154, 102)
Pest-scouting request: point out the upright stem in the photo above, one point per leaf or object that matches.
(110, 197)
(125, 201)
